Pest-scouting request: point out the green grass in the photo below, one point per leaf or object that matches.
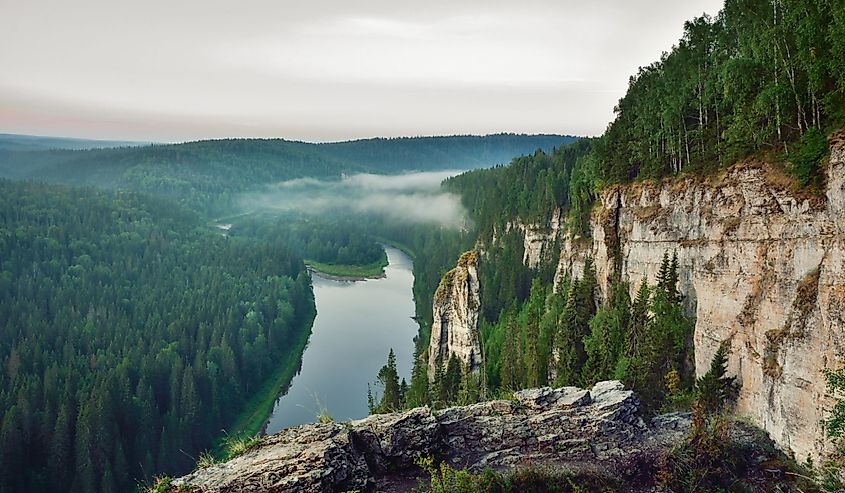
(374, 269)
(258, 408)
(236, 447)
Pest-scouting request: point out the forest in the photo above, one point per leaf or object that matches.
(130, 333)
(130, 327)
(208, 175)
(763, 76)
(329, 240)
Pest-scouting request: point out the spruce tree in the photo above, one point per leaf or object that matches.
(714, 388)
(388, 377)
(452, 380)
(417, 394)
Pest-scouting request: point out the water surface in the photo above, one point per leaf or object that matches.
(356, 325)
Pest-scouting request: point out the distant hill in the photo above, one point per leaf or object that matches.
(15, 142)
(204, 174)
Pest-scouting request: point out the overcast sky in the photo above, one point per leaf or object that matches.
(322, 70)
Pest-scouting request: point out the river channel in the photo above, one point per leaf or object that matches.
(357, 323)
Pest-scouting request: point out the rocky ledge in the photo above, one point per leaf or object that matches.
(570, 427)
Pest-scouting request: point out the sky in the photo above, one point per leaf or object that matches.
(324, 70)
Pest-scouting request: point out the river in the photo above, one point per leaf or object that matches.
(356, 325)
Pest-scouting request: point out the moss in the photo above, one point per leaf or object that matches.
(806, 294)
(647, 213)
(730, 225)
(468, 259)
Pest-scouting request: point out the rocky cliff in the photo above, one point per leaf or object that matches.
(454, 330)
(761, 266)
(599, 429)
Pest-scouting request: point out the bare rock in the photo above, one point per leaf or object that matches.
(566, 427)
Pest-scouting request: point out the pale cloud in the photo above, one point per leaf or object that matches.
(410, 197)
(324, 69)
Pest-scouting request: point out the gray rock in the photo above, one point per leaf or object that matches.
(566, 427)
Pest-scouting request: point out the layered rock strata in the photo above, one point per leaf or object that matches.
(761, 266)
(566, 427)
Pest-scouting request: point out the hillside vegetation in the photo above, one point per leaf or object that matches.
(130, 334)
(205, 175)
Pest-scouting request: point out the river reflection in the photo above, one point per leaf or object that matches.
(356, 325)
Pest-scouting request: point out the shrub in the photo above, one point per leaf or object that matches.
(806, 162)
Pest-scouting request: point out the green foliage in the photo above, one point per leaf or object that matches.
(835, 424)
(714, 389)
(531, 188)
(238, 446)
(806, 163)
(526, 479)
(206, 460)
(128, 332)
(330, 241)
(388, 381)
(161, 484)
(707, 461)
(757, 76)
(417, 394)
(606, 343)
(574, 326)
(206, 175)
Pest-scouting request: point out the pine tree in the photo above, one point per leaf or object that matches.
(371, 403)
(566, 339)
(664, 275)
(606, 342)
(510, 373)
(388, 378)
(714, 388)
(532, 336)
(417, 394)
(452, 380)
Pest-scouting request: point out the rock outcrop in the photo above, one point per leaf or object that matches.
(569, 427)
(454, 330)
(761, 266)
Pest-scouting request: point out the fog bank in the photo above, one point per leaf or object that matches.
(411, 197)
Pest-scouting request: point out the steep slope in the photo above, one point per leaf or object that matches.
(761, 267)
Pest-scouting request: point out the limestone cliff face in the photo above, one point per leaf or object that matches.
(760, 267)
(454, 330)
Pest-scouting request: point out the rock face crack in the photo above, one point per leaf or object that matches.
(566, 426)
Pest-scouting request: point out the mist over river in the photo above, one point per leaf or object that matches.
(356, 325)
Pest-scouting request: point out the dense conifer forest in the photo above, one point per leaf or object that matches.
(130, 335)
(207, 175)
(131, 330)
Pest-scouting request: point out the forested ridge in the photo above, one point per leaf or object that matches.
(205, 175)
(130, 335)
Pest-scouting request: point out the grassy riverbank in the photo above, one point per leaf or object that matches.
(367, 271)
(258, 408)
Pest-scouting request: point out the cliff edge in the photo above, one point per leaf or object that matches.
(598, 428)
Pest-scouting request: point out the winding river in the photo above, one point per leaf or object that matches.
(357, 323)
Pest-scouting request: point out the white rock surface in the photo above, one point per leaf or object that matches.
(454, 330)
(760, 267)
